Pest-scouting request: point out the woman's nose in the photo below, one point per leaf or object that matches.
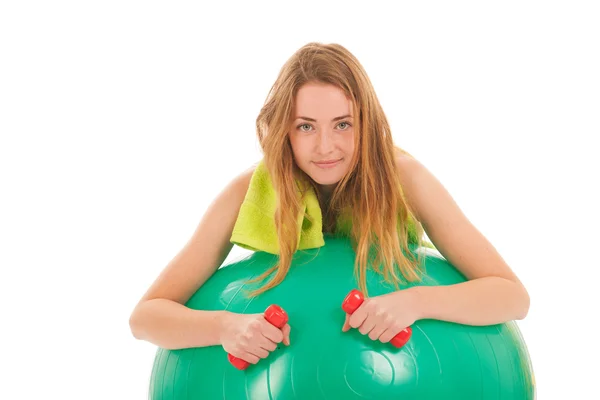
(325, 141)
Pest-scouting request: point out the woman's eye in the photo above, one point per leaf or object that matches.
(309, 126)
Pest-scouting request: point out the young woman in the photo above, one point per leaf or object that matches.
(322, 125)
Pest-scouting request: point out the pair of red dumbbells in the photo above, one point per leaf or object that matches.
(277, 317)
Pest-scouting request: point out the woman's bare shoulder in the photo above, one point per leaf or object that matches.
(208, 246)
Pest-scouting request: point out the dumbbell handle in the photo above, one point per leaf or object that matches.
(355, 298)
(277, 317)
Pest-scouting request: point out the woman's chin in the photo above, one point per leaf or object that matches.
(325, 182)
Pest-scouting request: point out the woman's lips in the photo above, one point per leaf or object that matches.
(327, 164)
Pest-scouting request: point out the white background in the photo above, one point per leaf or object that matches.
(120, 121)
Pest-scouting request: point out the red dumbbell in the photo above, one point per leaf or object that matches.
(277, 317)
(355, 298)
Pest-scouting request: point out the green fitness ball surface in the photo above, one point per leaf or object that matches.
(442, 360)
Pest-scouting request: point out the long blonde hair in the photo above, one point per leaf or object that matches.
(381, 219)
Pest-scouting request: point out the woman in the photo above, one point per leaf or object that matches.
(322, 126)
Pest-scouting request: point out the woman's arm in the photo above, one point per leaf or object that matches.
(161, 317)
(482, 301)
(171, 325)
(493, 293)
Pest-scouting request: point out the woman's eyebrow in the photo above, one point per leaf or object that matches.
(333, 120)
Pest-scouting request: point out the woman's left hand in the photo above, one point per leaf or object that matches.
(383, 317)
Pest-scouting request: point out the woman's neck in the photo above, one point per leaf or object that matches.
(326, 191)
(325, 200)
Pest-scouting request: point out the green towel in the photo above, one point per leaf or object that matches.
(255, 228)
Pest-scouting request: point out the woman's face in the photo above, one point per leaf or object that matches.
(323, 131)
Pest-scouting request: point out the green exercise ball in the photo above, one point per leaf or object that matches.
(441, 360)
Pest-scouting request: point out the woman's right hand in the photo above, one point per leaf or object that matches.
(251, 337)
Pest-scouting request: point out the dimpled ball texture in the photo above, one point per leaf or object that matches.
(442, 360)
